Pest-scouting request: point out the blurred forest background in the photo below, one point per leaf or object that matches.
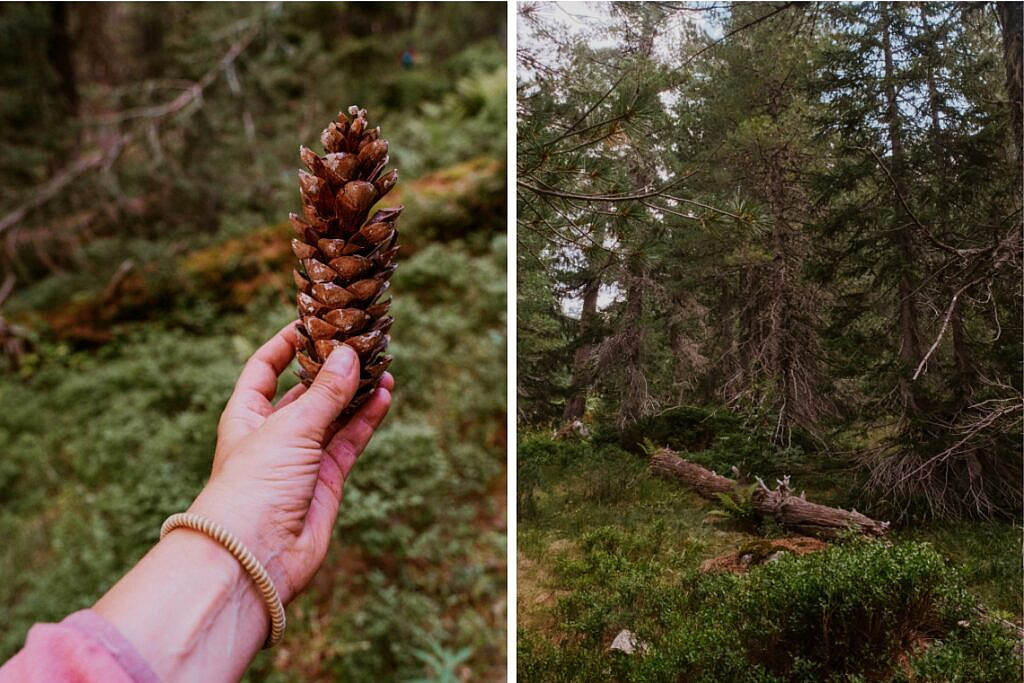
(783, 238)
(148, 158)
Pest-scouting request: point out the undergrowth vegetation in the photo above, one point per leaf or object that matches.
(101, 446)
(604, 546)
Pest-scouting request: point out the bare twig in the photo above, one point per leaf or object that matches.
(98, 158)
(53, 186)
(189, 95)
(942, 332)
(6, 288)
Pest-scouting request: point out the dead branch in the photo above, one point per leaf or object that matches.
(97, 158)
(6, 288)
(122, 272)
(938, 338)
(54, 185)
(189, 95)
(791, 511)
(13, 343)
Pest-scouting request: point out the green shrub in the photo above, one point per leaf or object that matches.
(715, 438)
(850, 609)
(540, 449)
(853, 612)
(971, 653)
(100, 447)
(540, 660)
(683, 428)
(602, 475)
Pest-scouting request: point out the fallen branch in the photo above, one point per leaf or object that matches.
(114, 285)
(793, 512)
(52, 187)
(13, 343)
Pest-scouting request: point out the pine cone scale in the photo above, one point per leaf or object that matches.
(345, 260)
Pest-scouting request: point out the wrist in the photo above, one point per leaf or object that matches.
(187, 604)
(249, 526)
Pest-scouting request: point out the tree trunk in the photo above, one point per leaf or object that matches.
(963, 363)
(702, 480)
(909, 341)
(1011, 17)
(576, 404)
(780, 350)
(58, 52)
(150, 48)
(635, 395)
(793, 512)
(961, 357)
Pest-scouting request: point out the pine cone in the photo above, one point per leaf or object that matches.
(345, 260)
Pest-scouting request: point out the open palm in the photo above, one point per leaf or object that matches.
(279, 470)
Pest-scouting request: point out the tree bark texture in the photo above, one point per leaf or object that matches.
(1011, 17)
(791, 511)
(576, 404)
(706, 483)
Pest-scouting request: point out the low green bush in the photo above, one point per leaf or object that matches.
(716, 438)
(685, 428)
(602, 474)
(849, 610)
(972, 653)
(540, 449)
(858, 611)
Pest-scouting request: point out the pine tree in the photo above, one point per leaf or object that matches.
(755, 106)
(923, 226)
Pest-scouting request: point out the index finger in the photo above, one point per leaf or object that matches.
(264, 367)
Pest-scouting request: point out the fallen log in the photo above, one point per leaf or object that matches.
(705, 482)
(791, 511)
(812, 519)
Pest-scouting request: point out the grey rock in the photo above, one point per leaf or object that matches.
(627, 642)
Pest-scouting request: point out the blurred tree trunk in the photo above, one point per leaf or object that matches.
(58, 52)
(93, 43)
(151, 51)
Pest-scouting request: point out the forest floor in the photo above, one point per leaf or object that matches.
(109, 426)
(592, 514)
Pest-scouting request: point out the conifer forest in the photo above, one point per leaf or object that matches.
(769, 341)
(148, 163)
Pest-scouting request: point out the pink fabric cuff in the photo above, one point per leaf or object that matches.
(83, 648)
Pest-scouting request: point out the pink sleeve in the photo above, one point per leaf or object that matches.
(83, 648)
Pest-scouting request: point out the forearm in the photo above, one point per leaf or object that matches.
(190, 610)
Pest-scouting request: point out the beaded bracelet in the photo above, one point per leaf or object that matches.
(248, 561)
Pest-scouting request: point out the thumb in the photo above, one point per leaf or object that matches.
(331, 391)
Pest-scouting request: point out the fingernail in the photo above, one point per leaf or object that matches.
(341, 360)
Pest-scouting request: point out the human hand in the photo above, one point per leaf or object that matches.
(278, 471)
